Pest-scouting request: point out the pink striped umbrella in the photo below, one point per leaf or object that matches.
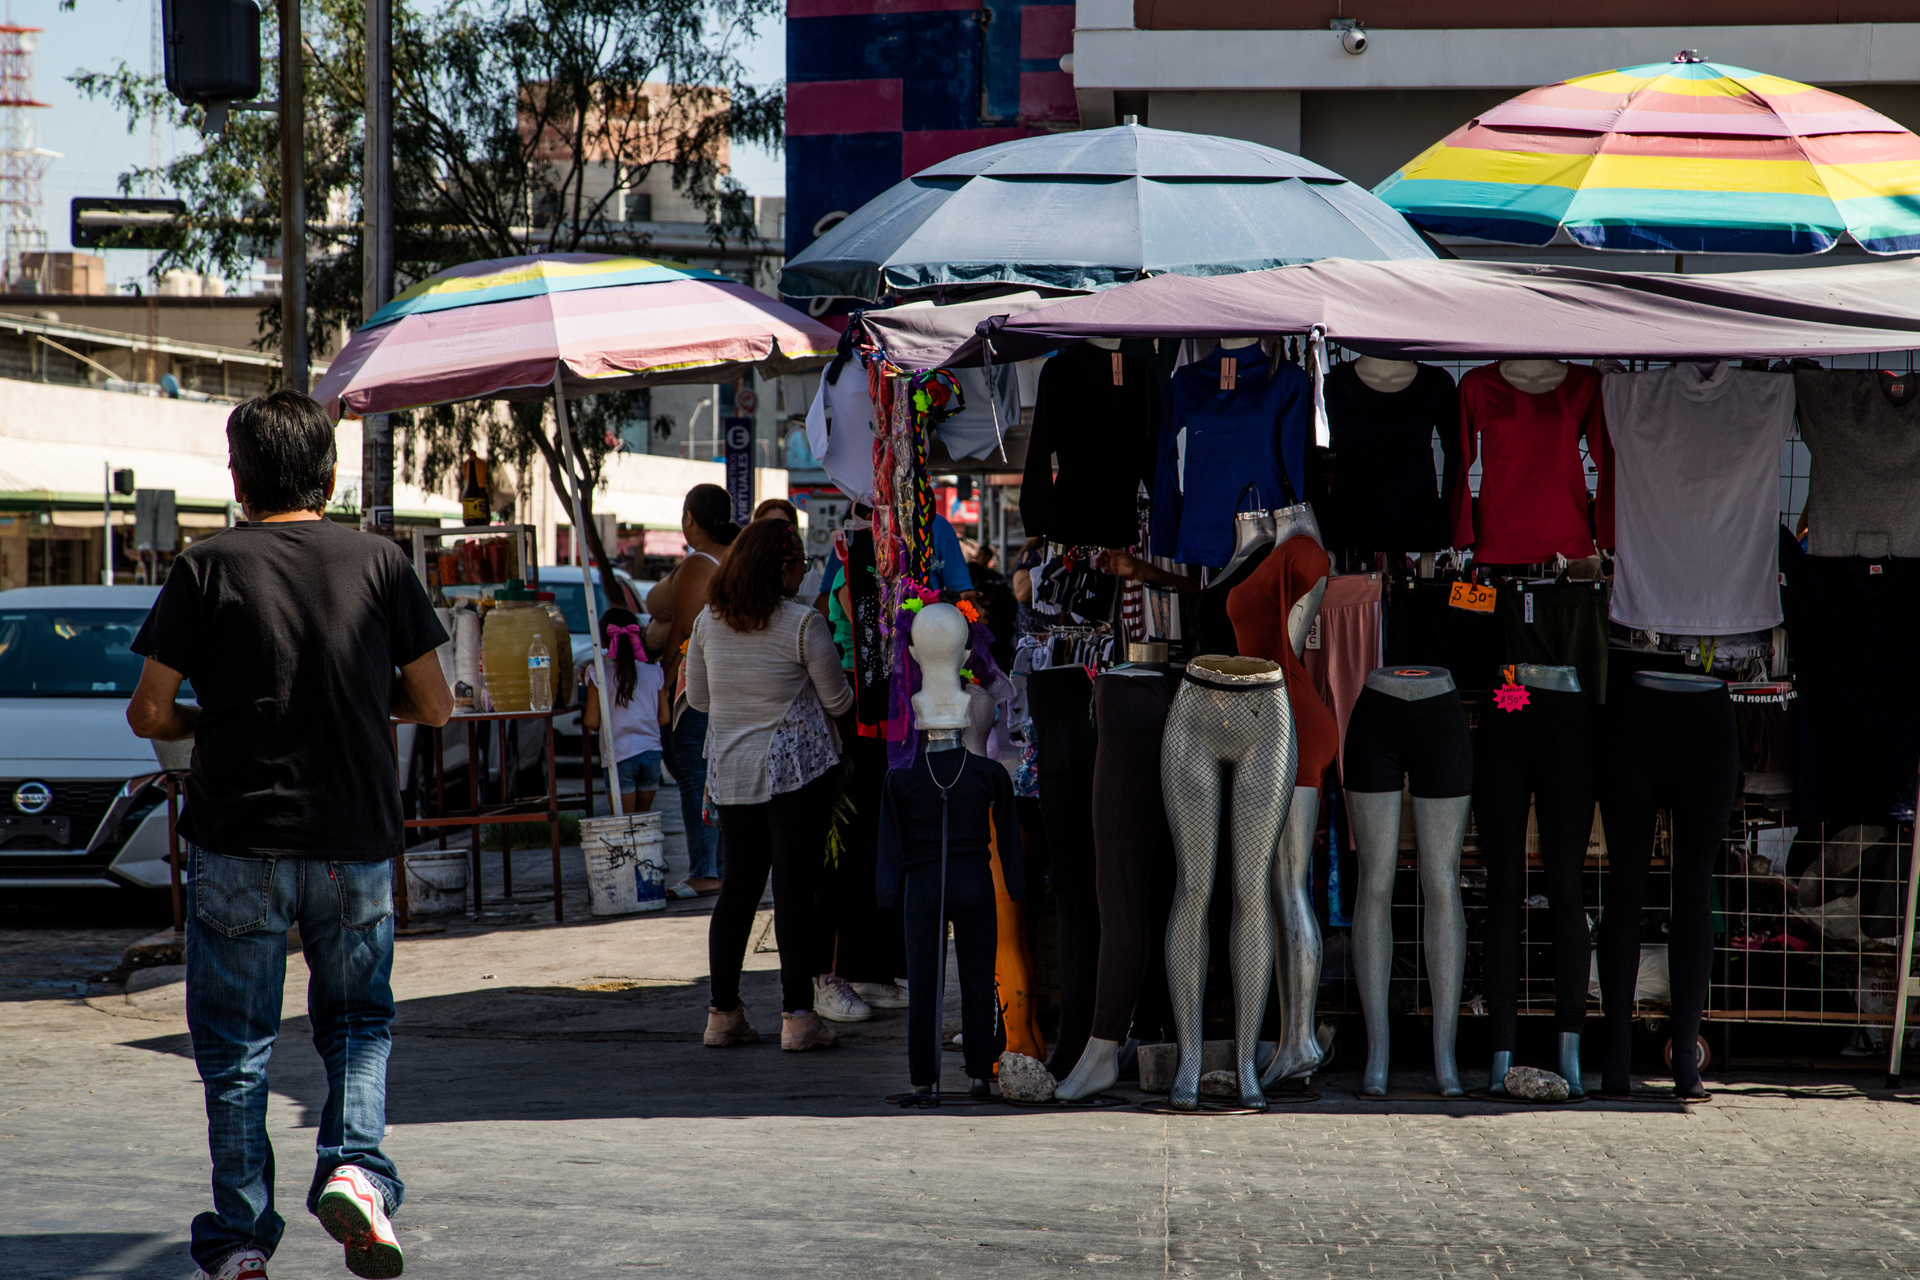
(523, 328)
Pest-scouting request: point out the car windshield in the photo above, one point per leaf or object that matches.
(68, 653)
(572, 599)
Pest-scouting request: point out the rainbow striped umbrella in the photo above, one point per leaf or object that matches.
(1681, 157)
(579, 323)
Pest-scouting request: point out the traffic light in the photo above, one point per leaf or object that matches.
(212, 49)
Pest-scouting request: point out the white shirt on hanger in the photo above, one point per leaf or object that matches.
(846, 452)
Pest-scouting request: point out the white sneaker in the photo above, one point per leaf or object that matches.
(882, 995)
(834, 1000)
(248, 1264)
(354, 1212)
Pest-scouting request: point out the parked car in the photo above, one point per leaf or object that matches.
(81, 798)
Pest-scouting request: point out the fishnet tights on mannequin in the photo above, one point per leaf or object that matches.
(1224, 742)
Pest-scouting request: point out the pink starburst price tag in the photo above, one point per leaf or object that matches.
(1510, 697)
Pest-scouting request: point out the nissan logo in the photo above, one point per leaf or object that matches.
(32, 797)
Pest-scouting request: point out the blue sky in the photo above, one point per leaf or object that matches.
(95, 147)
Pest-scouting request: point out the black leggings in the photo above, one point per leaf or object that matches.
(1544, 753)
(1133, 854)
(788, 835)
(1676, 751)
(970, 906)
(1062, 703)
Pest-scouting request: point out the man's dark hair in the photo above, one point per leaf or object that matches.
(280, 447)
(746, 588)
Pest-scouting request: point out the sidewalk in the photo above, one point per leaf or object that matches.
(554, 1115)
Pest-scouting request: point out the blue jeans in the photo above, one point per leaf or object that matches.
(236, 971)
(640, 772)
(685, 746)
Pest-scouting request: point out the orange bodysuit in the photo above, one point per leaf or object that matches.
(1258, 609)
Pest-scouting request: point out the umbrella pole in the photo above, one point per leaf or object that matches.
(593, 611)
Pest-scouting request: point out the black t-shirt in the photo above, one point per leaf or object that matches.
(1385, 494)
(291, 632)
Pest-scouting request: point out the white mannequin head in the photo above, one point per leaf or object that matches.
(938, 643)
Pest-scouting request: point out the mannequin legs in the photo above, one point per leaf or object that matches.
(1297, 953)
(1209, 732)
(1375, 819)
(1440, 825)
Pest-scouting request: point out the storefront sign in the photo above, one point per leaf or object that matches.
(739, 457)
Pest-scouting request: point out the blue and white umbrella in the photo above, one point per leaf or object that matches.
(1089, 210)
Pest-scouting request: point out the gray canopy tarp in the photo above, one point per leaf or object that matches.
(1461, 310)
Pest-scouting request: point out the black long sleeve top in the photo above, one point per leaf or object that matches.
(981, 794)
(1104, 434)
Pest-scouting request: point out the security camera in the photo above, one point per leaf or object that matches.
(1353, 36)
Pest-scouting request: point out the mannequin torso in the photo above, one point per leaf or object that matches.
(1386, 376)
(1535, 377)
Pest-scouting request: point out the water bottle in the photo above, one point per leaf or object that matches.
(539, 676)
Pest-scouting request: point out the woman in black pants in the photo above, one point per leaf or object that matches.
(762, 665)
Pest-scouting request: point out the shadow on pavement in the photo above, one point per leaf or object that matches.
(93, 1255)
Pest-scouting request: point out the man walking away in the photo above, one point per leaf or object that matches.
(300, 637)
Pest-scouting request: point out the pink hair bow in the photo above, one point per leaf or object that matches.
(632, 633)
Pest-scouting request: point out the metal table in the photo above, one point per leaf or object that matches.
(510, 808)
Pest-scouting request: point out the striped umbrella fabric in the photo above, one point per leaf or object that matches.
(499, 329)
(1682, 157)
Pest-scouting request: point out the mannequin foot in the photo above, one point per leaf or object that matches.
(1290, 1062)
(980, 1089)
(1570, 1063)
(1251, 1094)
(1446, 1082)
(1497, 1073)
(1185, 1094)
(1373, 1082)
(1097, 1071)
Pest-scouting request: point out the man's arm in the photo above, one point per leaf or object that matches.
(152, 712)
(420, 692)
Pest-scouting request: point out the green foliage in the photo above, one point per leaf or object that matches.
(517, 125)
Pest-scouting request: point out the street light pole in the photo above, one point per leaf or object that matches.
(293, 202)
(376, 249)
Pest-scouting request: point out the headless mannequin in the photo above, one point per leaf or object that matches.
(1535, 377)
(1234, 344)
(1297, 954)
(1562, 680)
(1386, 376)
(938, 644)
(1252, 530)
(1106, 344)
(1440, 826)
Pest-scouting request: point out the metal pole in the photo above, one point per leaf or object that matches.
(572, 496)
(1904, 981)
(293, 202)
(376, 256)
(106, 524)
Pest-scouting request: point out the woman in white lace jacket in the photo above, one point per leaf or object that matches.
(762, 665)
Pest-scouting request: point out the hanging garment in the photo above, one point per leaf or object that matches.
(971, 433)
(1863, 491)
(1385, 496)
(840, 430)
(1062, 702)
(1556, 624)
(1212, 627)
(1098, 413)
(1851, 624)
(1344, 644)
(1697, 452)
(1532, 503)
(1424, 629)
(1259, 608)
(1218, 439)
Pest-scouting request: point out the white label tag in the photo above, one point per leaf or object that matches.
(1527, 597)
(535, 664)
(1313, 633)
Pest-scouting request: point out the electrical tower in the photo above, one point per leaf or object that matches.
(23, 161)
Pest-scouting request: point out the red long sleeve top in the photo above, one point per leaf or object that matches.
(1533, 500)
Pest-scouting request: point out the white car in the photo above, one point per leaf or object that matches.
(81, 799)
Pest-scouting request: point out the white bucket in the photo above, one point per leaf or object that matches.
(626, 865)
(436, 882)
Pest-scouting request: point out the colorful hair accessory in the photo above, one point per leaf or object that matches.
(912, 604)
(968, 611)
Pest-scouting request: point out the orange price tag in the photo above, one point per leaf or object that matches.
(1471, 595)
